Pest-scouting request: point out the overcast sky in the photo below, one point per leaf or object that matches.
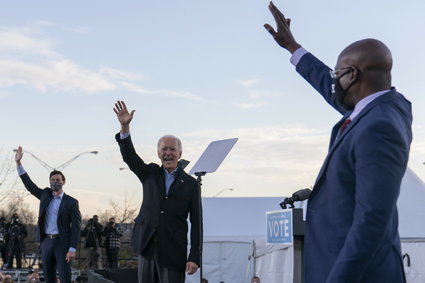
(201, 70)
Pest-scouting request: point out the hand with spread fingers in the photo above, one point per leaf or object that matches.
(124, 117)
(283, 35)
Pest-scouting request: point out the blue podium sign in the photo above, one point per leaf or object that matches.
(279, 227)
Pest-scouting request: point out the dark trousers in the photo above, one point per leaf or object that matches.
(53, 257)
(14, 250)
(112, 256)
(17, 254)
(93, 258)
(149, 271)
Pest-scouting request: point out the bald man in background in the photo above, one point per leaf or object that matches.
(351, 230)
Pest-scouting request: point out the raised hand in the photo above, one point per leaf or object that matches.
(283, 36)
(18, 155)
(124, 117)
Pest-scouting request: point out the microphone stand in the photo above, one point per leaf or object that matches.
(201, 240)
(209, 161)
(287, 201)
(298, 231)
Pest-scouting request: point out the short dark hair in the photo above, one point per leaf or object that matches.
(56, 172)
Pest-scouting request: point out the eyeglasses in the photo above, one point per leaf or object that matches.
(334, 73)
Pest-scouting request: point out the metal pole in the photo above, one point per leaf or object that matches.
(60, 167)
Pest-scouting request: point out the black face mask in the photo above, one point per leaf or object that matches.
(339, 93)
(56, 186)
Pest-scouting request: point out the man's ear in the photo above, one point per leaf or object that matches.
(354, 75)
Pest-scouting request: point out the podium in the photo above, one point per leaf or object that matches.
(298, 232)
(286, 227)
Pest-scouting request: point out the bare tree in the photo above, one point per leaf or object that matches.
(123, 213)
(7, 182)
(12, 200)
(16, 204)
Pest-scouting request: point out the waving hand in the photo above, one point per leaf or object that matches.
(124, 117)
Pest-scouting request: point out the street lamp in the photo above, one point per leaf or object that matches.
(223, 190)
(60, 167)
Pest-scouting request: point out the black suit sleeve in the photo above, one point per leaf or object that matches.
(30, 186)
(75, 224)
(130, 157)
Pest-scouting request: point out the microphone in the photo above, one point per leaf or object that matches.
(297, 196)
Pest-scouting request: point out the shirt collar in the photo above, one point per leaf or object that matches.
(173, 173)
(60, 196)
(364, 102)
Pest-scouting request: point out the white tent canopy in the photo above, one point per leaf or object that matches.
(411, 207)
(237, 216)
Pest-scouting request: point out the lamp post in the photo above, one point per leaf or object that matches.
(222, 191)
(62, 166)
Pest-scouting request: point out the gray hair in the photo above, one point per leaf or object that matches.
(179, 143)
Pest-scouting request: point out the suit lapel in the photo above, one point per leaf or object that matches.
(178, 181)
(45, 202)
(63, 204)
(333, 143)
(336, 141)
(336, 128)
(161, 182)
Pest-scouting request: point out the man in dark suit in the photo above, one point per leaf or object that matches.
(169, 196)
(59, 223)
(352, 224)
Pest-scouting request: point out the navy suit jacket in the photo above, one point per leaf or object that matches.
(69, 217)
(352, 223)
(165, 215)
